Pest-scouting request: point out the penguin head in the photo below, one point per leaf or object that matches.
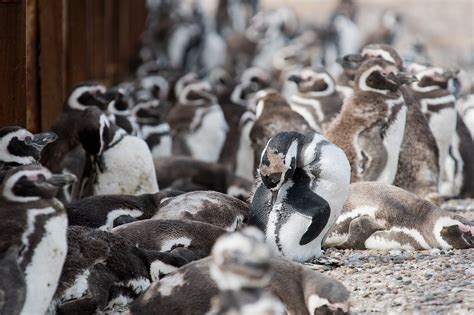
(460, 235)
(33, 182)
(383, 51)
(241, 260)
(19, 146)
(147, 112)
(222, 81)
(152, 87)
(86, 95)
(252, 80)
(350, 63)
(94, 131)
(380, 76)
(434, 77)
(197, 94)
(118, 104)
(311, 80)
(279, 159)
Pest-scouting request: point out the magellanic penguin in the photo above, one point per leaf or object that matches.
(317, 100)
(18, 147)
(252, 81)
(371, 125)
(82, 96)
(34, 222)
(117, 162)
(273, 115)
(210, 207)
(241, 269)
(419, 176)
(302, 184)
(191, 240)
(104, 272)
(191, 289)
(385, 217)
(438, 105)
(198, 125)
(105, 212)
(119, 112)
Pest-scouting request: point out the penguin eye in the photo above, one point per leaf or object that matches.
(41, 178)
(28, 140)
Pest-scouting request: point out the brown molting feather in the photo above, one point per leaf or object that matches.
(277, 163)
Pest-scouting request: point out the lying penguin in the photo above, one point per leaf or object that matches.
(103, 271)
(105, 212)
(210, 207)
(34, 222)
(302, 184)
(238, 262)
(191, 240)
(381, 216)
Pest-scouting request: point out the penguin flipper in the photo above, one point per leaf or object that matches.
(317, 225)
(260, 207)
(374, 154)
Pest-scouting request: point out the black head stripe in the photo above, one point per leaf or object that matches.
(20, 148)
(6, 130)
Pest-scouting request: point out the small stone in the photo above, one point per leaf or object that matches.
(469, 272)
(398, 278)
(407, 282)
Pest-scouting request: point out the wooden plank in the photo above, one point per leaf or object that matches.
(31, 67)
(12, 64)
(77, 45)
(95, 33)
(52, 59)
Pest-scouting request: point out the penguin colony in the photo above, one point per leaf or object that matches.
(264, 153)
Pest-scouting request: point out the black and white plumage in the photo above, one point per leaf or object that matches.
(304, 180)
(18, 146)
(33, 220)
(117, 162)
(105, 212)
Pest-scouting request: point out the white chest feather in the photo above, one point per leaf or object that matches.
(309, 109)
(206, 142)
(392, 142)
(129, 169)
(245, 155)
(43, 272)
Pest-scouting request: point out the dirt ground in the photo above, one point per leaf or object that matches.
(409, 282)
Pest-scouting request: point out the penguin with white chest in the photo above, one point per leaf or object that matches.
(18, 147)
(117, 163)
(371, 126)
(304, 180)
(34, 221)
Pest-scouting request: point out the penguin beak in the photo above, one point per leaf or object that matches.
(60, 180)
(351, 61)
(295, 78)
(402, 78)
(41, 140)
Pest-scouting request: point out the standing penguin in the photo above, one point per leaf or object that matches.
(35, 222)
(18, 146)
(371, 125)
(303, 182)
(117, 163)
(82, 96)
(317, 99)
(198, 125)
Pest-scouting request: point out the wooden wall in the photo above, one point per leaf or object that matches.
(48, 46)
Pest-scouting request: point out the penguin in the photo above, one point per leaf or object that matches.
(252, 80)
(191, 289)
(317, 99)
(104, 272)
(413, 174)
(18, 147)
(240, 267)
(34, 223)
(120, 114)
(385, 217)
(82, 96)
(154, 128)
(210, 207)
(371, 126)
(303, 182)
(105, 212)
(273, 115)
(191, 240)
(438, 105)
(198, 125)
(117, 162)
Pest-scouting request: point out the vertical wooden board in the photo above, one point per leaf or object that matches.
(12, 64)
(123, 29)
(110, 27)
(77, 46)
(31, 64)
(96, 38)
(52, 59)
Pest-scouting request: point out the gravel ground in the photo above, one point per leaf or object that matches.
(409, 282)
